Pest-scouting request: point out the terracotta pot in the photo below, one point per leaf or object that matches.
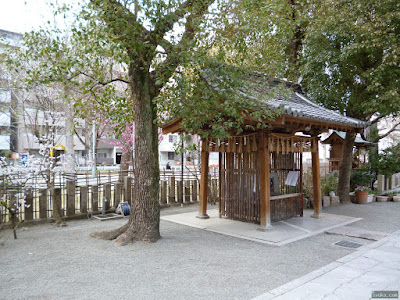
(362, 197)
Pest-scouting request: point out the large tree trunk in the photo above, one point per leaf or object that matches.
(345, 168)
(144, 221)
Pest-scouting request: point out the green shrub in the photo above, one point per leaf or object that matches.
(361, 178)
(329, 184)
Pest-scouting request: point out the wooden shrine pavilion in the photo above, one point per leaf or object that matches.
(336, 141)
(260, 171)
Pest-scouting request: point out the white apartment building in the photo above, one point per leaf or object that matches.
(167, 153)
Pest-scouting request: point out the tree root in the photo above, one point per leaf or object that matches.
(61, 224)
(124, 235)
(109, 234)
(124, 239)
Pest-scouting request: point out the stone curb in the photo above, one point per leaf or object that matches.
(283, 289)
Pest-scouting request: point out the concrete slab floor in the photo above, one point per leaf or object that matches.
(283, 232)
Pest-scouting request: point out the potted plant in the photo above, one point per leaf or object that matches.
(361, 194)
(382, 198)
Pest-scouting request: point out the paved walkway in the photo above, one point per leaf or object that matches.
(282, 232)
(376, 267)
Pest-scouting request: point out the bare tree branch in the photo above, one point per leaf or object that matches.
(169, 65)
(80, 138)
(167, 23)
(387, 133)
(377, 119)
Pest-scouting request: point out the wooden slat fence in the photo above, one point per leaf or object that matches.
(240, 186)
(78, 195)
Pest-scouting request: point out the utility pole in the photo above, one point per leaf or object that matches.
(183, 164)
(94, 150)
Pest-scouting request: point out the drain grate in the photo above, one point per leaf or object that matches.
(348, 244)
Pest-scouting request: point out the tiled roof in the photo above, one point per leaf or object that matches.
(342, 135)
(256, 85)
(300, 107)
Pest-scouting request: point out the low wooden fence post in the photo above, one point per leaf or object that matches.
(107, 194)
(57, 202)
(43, 203)
(70, 197)
(95, 198)
(128, 189)
(194, 190)
(163, 191)
(187, 191)
(180, 191)
(84, 198)
(117, 193)
(171, 191)
(28, 205)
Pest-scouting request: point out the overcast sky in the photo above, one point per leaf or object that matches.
(26, 15)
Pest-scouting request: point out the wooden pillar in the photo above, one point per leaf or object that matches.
(316, 179)
(203, 181)
(265, 190)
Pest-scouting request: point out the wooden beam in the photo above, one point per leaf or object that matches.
(319, 125)
(203, 181)
(316, 180)
(172, 127)
(265, 198)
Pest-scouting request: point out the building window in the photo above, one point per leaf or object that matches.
(171, 155)
(173, 138)
(102, 155)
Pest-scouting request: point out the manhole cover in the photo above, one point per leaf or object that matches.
(348, 244)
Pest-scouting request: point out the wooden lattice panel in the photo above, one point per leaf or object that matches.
(240, 187)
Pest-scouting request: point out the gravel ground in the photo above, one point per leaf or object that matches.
(47, 262)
